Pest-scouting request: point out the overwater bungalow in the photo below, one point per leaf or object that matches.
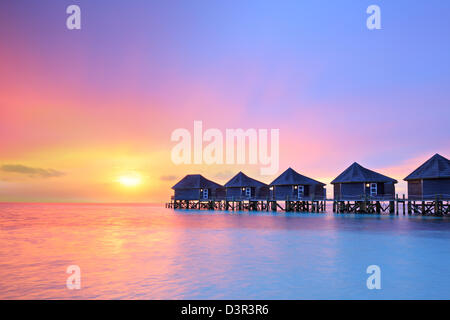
(431, 180)
(242, 187)
(357, 182)
(197, 187)
(291, 185)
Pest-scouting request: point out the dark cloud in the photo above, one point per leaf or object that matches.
(168, 178)
(30, 171)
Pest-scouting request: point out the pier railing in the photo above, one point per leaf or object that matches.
(379, 197)
(431, 205)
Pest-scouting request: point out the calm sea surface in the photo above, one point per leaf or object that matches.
(149, 252)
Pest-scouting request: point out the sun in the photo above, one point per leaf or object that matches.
(130, 180)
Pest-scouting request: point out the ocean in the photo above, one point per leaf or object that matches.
(150, 252)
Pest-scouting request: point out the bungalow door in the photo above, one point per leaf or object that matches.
(248, 192)
(373, 189)
(301, 191)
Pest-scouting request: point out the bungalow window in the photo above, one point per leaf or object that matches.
(205, 193)
(301, 191)
(373, 189)
(248, 192)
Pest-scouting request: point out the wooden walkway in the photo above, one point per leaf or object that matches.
(436, 207)
(249, 205)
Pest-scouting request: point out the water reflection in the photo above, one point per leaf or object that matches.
(155, 253)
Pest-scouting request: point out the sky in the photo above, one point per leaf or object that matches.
(87, 115)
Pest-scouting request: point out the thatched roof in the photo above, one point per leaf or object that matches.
(357, 173)
(241, 180)
(292, 177)
(435, 167)
(196, 181)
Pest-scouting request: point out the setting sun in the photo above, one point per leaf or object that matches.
(130, 180)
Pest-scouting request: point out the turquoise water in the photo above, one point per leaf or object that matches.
(150, 252)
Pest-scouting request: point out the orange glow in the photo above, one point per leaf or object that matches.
(130, 180)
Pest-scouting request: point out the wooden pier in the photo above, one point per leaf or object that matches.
(378, 207)
(399, 205)
(429, 208)
(316, 206)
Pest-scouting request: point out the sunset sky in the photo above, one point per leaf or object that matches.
(87, 115)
